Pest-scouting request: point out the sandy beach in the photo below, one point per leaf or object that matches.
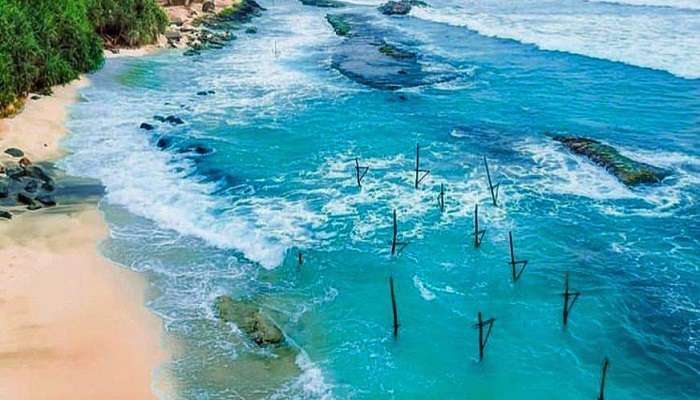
(72, 324)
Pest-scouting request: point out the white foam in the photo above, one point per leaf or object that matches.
(425, 293)
(682, 4)
(665, 41)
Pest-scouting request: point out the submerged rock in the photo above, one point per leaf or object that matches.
(14, 152)
(4, 190)
(146, 126)
(375, 55)
(249, 319)
(629, 171)
(339, 24)
(323, 3)
(173, 120)
(5, 214)
(46, 200)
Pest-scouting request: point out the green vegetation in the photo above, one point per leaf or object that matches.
(49, 42)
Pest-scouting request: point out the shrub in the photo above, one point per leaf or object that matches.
(49, 42)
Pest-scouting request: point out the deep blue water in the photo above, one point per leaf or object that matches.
(284, 129)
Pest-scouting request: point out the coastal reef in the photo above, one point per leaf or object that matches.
(401, 7)
(323, 3)
(250, 319)
(377, 57)
(629, 171)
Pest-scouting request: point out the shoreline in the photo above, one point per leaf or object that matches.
(67, 313)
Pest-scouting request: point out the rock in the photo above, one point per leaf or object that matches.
(629, 171)
(14, 152)
(394, 52)
(323, 3)
(159, 118)
(366, 57)
(46, 200)
(5, 214)
(37, 172)
(35, 97)
(24, 199)
(250, 319)
(251, 30)
(24, 162)
(4, 190)
(146, 126)
(164, 142)
(173, 120)
(31, 186)
(197, 149)
(208, 6)
(339, 24)
(47, 187)
(177, 21)
(400, 7)
(173, 35)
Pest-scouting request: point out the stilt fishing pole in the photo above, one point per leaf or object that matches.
(601, 394)
(483, 339)
(396, 246)
(441, 198)
(360, 172)
(492, 188)
(425, 172)
(393, 307)
(478, 233)
(513, 263)
(569, 299)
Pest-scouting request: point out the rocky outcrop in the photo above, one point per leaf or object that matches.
(250, 319)
(377, 56)
(323, 3)
(14, 152)
(395, 8)
(208, 6)
(340, 26)
(629, 171)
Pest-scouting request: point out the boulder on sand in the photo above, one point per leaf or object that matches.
(249, 319)
(629, 171)
(14, 152)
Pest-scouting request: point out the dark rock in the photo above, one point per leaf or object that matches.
(208, 6)
(629, 171)
(47, 187)
(159, 118)
(146, 126)
(164, 142)
(5, 214)
(323, 3)
(14, 152)
(197, 149)
(173, 36)
(173, 120)
(46, 200)
(339, 24)
(35, 97)
(31, 186)
(4, 190)
(24, 162)
(37, 172)
(24, 199)
(251, 30)
(395, 8)
(250, 319)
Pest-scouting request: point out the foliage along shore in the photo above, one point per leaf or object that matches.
(50, 42)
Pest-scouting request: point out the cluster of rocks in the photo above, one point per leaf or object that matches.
(24, 184)
(629, 171)
(210, 29)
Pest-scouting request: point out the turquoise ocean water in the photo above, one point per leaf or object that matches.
(284, 129)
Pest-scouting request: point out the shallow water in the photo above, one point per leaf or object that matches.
(284, 129)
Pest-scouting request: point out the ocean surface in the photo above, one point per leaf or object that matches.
(265, 168)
